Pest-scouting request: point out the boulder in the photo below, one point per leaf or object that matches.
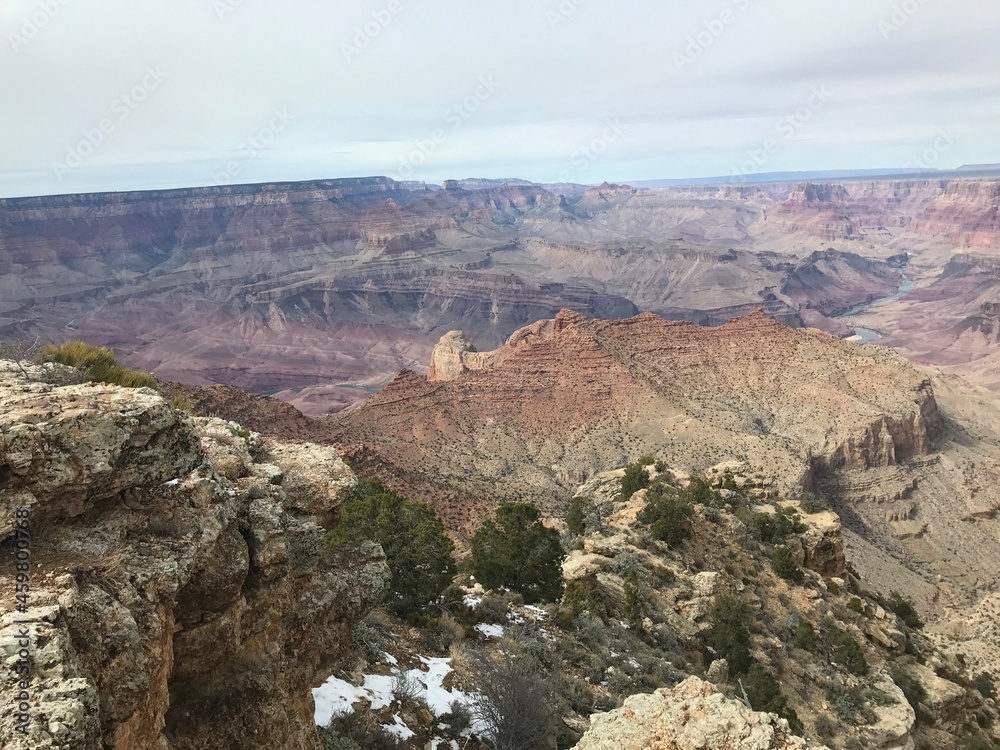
(694, 715)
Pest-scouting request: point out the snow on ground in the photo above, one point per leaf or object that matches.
(471, 601)
(399, 728)
(489, 631)
(334, 697)
(338, 696)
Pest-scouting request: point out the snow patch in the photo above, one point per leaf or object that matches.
(490, 631)
(338, 696)
(399, 728)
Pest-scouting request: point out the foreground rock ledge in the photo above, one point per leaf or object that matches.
(181, 593)
(690, 716)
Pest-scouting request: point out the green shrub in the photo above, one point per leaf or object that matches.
(636, 478)
(98, 364)
(856, 605)
(700, 492)
(418, 550)
(634, 601)
(983, 682)
(905, 610)
(770, 528)
(805, 637)
(764, 693)
(850, 655)
(517, 551)
(785, 566)
(576, 516)
(729, 635)
(813, 503)
(667, 517)
(357, 731)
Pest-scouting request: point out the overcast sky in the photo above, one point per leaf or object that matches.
(126, 94)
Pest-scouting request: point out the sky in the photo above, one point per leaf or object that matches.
(132, 94)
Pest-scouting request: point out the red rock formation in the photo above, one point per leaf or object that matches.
(575, 396)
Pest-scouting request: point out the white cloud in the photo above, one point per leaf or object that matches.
(360, 114)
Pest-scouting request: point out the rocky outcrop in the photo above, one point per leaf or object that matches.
(567, 392)
(453, 356)
(820, 547)
(691, 716)
(182, 595)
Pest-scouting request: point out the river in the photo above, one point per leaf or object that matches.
(867, 335)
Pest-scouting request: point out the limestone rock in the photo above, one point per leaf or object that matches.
(316, 479)
(707, 583)
(454, 356)
(895, 721)
(821, 546)
(690, 716)
(169, 609)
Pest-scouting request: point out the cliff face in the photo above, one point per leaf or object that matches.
(181, 593)
(573, 396)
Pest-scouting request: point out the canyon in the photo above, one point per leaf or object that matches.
(320, 292)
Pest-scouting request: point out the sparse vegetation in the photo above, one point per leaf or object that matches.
(636, 478)
(182, 403)
(512, 704)
(517, 551)
(729, 635)
(418, 550)
(785, 566)
(850, 655)
(97, 363)
(667, 516)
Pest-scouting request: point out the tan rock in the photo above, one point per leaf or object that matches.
(175, 612)
(315, 477)
(690, 716)
(895, 721)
